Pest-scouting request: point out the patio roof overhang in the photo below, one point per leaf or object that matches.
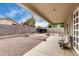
(52, 12)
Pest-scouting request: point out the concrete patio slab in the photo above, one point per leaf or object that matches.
(49, 47)
(36, 53)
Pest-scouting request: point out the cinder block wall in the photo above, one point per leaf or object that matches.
(13, 29)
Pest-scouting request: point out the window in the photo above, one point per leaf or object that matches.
(76, 31)
(76, 13)
(76, 20)
(74, 38)
(77, 26)
(77, 40)
(77, 46)
(74, 27)
(74, 16)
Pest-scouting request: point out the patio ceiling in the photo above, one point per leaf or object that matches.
(52, 12)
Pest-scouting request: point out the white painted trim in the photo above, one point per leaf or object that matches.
(77, 43)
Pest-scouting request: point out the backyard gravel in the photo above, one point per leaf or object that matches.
(17, 46)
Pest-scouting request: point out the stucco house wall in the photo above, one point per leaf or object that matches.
(68, 23)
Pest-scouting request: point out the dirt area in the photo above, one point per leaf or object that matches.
(17, 46)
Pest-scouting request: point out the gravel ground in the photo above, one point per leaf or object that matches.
(17, 46)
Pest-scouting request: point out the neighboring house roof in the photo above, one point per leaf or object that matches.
(9, 19)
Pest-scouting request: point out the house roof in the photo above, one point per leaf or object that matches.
(9, 19)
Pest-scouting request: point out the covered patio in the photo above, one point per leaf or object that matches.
(55, 13)
(50, 48)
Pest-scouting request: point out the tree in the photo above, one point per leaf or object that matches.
(29, 22)
(54, 25)
(50, 26)
(61, 25)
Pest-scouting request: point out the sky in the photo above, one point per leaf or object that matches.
(17, 13)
